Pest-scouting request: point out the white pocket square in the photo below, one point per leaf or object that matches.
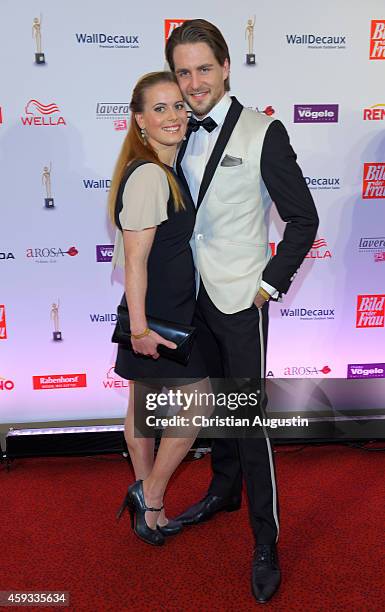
(229, 160)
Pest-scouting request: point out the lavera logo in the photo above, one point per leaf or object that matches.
(59, 381)
(374, 245)
(315, 113)
(107, 317)
(104, 252)
(319, 250)
(113, 381)
(6, 384)
(324, 182)
(370, 311)
(373, 185)
(97, 184)
(38, 114)
(377, 40)
(374, 113)
(308, 314)
(170, 25)
(301, 371)
(315, 41)
(3, 323)
(50, 254)
(108, 41)
(366, 370)
(117, 112)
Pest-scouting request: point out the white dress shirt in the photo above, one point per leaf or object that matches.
(199, 148)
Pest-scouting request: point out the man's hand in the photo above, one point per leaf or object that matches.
(259, 300)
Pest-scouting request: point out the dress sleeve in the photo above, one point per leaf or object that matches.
(145, 198)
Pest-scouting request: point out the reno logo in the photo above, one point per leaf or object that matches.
(377, 40)
(170, 25)
(315, 113)
(104, 253)
(40, 114)
(301, 371)
(6, 384)
(373, 185)
(319, 250)
(370, 311)
(374, 113)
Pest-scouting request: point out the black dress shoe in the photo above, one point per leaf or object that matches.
(171, 528)
(266, 575)
(207, 507)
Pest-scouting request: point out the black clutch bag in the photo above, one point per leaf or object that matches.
(182, 335)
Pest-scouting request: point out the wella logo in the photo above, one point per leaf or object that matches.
(39, 114)
(319, 250)
(104, 253)
(3, 323)
(370, 311)
(316, 113)
(170, 25)
(377, 40)
(112, 381)
(374, 113)
(373, 184)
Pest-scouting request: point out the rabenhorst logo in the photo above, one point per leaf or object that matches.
(50, 254)
(308, 314)
(113, 381)
(170, 25)
(366, 370)
(319, 250)
(109, 41)
(373, 186)
(6, 384)
(107, 317)
(324, 182)
(39, 114)
(305, 371)
(315, 113)
(118, 112)
(374, 245)
(59, 381)
(3, 323)
(374, 113)
(377, 40)
(370, 311)
(97, 184)
(315, 41)
(104, 253)
(6, 255)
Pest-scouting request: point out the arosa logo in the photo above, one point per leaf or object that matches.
(323, 182)
(315, 113)
(315, 41)
(373, 185)
(170, 25)
(6, 384)
(308, 314)
(305, 371)
(374, 113)
(319, 250)
(97, 184)
(370, 311)
(366, 370)
(112, 381)
(36, 113)
(50, 253)
(377, 40)
(6, 255)
(109, 41)
(104, 252)
(59, 381)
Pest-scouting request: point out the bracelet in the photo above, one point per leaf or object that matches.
(142, 335)
(264, 294)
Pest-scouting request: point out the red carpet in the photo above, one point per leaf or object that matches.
(59, 533)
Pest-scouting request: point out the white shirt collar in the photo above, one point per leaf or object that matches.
(219, 112)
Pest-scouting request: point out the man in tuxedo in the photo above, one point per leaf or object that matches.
(234, 162)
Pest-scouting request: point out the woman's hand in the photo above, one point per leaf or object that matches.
(149, 345)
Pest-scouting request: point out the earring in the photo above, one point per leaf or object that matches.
(143, 135)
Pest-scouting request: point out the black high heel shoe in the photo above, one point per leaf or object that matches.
(171, 528)
(134, 502)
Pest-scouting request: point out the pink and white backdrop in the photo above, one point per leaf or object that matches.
(320, 68)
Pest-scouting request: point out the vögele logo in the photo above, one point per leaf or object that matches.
(316, 41)
(50, 254)
(108, 41)
(315, 113)
(319, 250)
(377, 40)
(36, 113)
(373, 186)
(366, 370)
(374, 113)
(324, 182)
(308, 314)
(104, 253)
(370, 311)
(97, 184)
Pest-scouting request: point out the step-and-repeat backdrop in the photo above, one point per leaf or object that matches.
(67, 72)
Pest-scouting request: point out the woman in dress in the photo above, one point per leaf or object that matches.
(155, 220)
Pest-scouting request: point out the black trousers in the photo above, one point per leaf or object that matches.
(234, 346)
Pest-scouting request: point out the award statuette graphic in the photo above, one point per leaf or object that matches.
(249, 34)
(36, 34)
(46, 180)
(55, 318)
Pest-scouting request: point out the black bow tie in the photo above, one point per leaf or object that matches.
(208, 123)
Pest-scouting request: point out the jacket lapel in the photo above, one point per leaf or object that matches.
(222, 140)
(179, 169)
